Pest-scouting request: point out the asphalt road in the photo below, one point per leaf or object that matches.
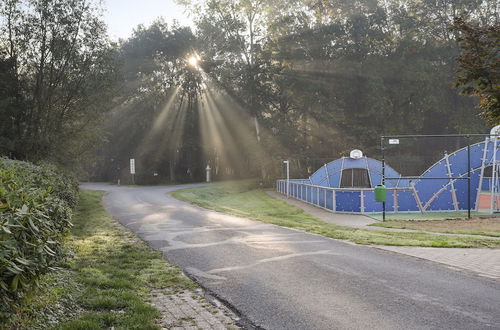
(279, 278)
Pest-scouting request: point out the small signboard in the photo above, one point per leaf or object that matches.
(393, 141)
(132, 166)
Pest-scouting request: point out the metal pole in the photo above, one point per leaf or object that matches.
(288, 177)
(468, 177)
(383, 174)
(494, 174)
(287, 162)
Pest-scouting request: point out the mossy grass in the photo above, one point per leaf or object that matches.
(106, 283)
(246, 201)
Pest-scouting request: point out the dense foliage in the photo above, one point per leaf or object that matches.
(58, 72)
(479, 65)
(258, 81)
(305, 80)
(35, 211)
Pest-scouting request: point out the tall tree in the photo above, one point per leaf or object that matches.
(156, 120)
(65, 65)
(479, 65)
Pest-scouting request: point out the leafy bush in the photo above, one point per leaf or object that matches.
(35, 211)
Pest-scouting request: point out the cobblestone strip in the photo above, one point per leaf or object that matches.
(189, 310)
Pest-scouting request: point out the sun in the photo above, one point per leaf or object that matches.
(193, 61)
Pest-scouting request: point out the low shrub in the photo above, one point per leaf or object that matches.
(35, 211)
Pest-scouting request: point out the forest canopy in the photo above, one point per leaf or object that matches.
(253, 83)
(58, 73)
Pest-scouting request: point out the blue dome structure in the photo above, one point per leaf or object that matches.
(327, 186)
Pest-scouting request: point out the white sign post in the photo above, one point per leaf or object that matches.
(209, 170)
(132, 169)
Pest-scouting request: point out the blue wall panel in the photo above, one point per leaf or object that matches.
(375, 165)
(376, 178)
(324, 183)
(428, 187)
(375, 168)
(486, 184)
(334, 167)
(314, 197)
(318, 176)
(335, 180)
(442, 202)
(461, 190)
(334, 172)
(321, 198)
(458, 163)
(329, 199)
(348, 201)
(389, 204)
(390, 173)
(406, 201)
(371, 205)
(476, 153)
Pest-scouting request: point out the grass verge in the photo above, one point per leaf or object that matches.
(245, 201)
(475, 226)
(106, 284)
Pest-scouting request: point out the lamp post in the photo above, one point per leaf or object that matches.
(287, 162)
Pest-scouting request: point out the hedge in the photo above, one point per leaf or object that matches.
(35, 211)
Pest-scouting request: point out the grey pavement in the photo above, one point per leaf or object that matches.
(280, 278)
(484, 262)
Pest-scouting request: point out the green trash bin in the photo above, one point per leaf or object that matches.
(380, 193)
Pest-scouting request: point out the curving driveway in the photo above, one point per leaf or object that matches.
(279, 278)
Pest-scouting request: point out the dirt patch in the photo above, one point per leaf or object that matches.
(475, 226)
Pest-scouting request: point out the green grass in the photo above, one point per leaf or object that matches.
(245, 201)
(107, 282)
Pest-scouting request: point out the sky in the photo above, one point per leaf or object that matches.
(122, 16)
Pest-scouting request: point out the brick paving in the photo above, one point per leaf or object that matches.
(484, 262)
(189, 310)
